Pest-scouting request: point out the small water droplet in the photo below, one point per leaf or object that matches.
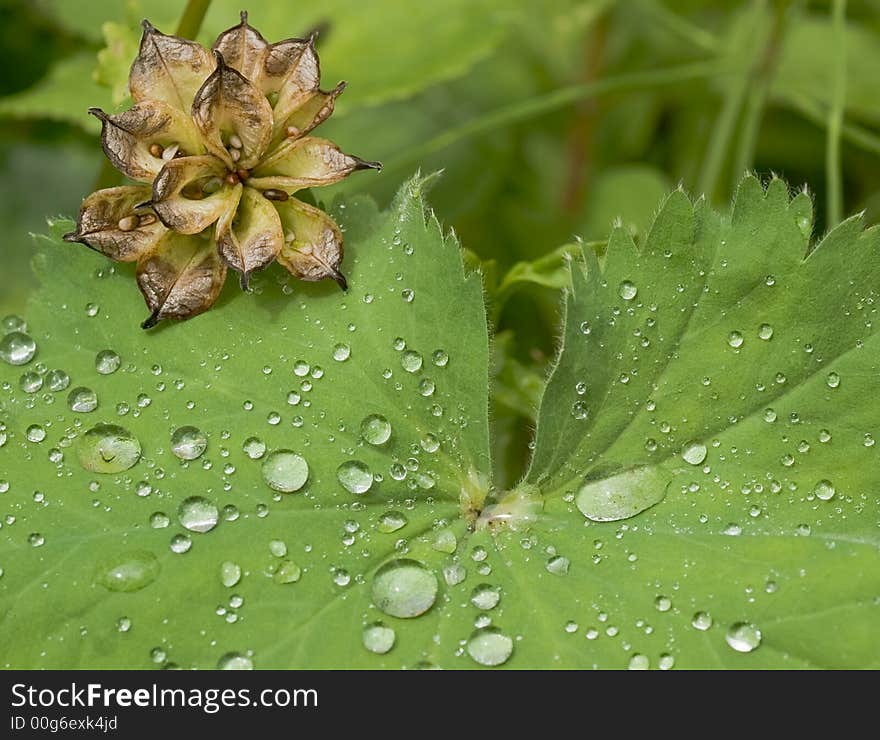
(378, 638)
(376, 429)
(485, 596)
(765, 331)
(627, 290)
(833, 380)
(580, 410)
(11, 323)
(82, 400)
(354, 476)
(391, 521)
(454, 573)
(663, 603)
(287, 572)
(198, 514)
(188, 443)
(558, 565)
(35, 433)
(230, 573)
(404, 588)
(702, 621)
(440, 358)
(490, 646)
(107, 362)
(57, 380)
(824, 490)
(743, 637)
(17, 348)
(694, 452)
(254, 448)
(735, 339)
(445, 541)
(235, 662)
(180, 543)
(285, 471)
(341, 352)
(638, 662)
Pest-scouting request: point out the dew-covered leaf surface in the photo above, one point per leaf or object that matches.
(381, 390)
(723, 382)
(705, 461)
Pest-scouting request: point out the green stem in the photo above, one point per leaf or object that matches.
(680, 26)
(725, 123)
(833, 171)
(191, 20)
(757, 98)
(187, 28)
(560, 98)
(856, 135)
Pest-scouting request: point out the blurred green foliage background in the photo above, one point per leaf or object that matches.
(550, 118)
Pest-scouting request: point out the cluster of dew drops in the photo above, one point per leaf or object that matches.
(402, 588)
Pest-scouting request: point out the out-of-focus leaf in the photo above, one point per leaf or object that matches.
(65, 95)
(627, 196)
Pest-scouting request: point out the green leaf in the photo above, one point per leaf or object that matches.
(626, 195)
(323, 361)
(114, 60)
(64, 95)
(724, 373)
(361, 43)
(743, 457)
(806, 66)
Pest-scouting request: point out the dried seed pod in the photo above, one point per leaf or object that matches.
(221, 142)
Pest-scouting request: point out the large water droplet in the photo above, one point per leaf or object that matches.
(694, 452)
(376, 429)
(735, 339)
(285, 471)
(743, 637)
(378, 638)
(17, 348)
(198, 514)
(341, 352)
(404, 588)
(490, 646)
(355, 476)
(128, 572)
(108, 448)
(622, 495)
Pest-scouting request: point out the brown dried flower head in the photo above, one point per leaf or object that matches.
(218, 141)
